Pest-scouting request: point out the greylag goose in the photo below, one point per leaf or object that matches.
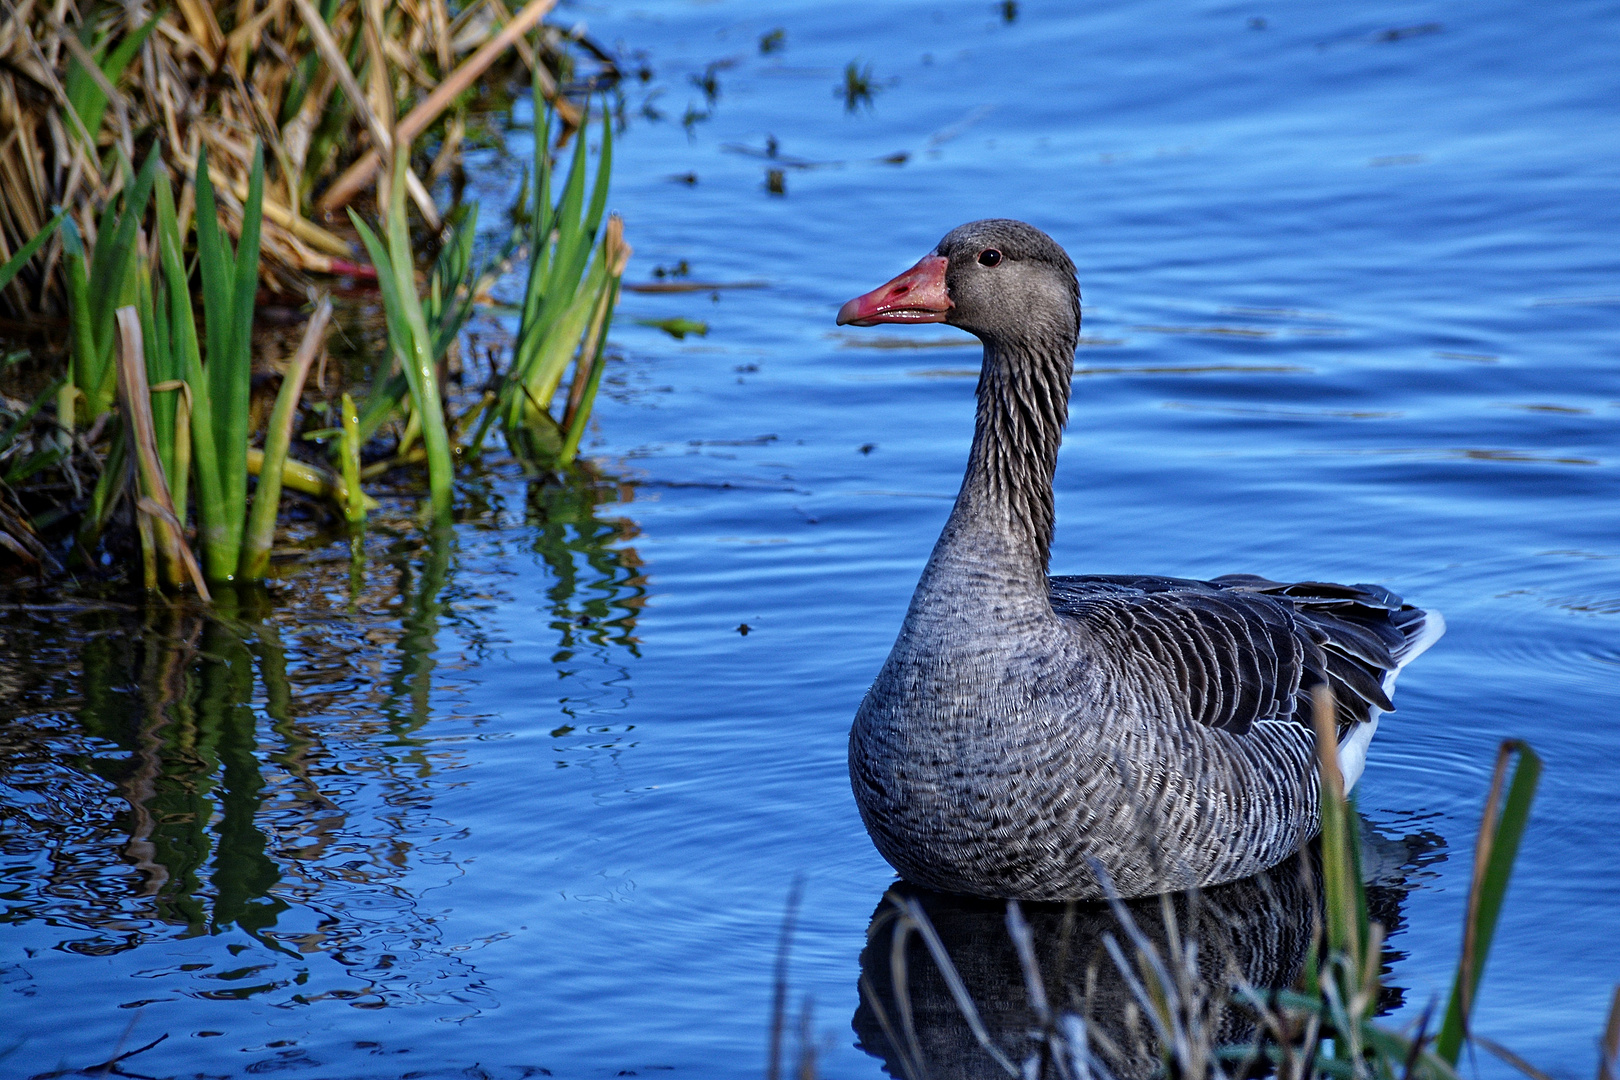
(1033, 737)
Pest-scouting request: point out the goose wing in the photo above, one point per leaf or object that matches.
(1240, 649)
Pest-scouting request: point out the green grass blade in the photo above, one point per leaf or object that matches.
(385, 401)
(152, 310)
(15, 264)
(453, 283)
(386, 283)
(101, 258)
(573, 245)
(1494, 854)
(111, 282)
(418, 362)
(539, 239)
(540, 219)
(604, 172)
(230, 376)
(261, 526)
(220, 519)
(560, 343)
(108, 484)
(185, 361)
(1343, 896)
(83, 364)
(126, 238)
(215, 262)
(582, 412)
(614, 253)
(80, 88)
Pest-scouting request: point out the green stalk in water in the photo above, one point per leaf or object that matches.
(98, 283)
(409, 337)
(615, 254)
(355, 497)
(565, 308)
(230, 280)
(1494, 853)
(261, 526)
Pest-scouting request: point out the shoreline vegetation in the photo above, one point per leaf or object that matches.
(179, 169)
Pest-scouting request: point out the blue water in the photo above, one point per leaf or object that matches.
(535, 802)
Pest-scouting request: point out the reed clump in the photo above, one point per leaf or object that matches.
(326, 87)
(148, 437)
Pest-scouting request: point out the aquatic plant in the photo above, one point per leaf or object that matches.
(221, 391)
(415, 349)
(155, 407)
(183, 427)
(183, 398)
(566, 308)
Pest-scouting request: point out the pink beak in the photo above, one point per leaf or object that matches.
(916, 296)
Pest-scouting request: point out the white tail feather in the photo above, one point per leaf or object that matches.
(1353, 747)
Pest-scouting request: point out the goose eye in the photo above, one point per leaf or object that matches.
(989, 257)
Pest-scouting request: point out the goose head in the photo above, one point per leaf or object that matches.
(1003, 281)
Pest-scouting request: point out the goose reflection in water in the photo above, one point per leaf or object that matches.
(1255, 932)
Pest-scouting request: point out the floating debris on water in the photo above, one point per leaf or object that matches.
(858, 88)
(677, 328)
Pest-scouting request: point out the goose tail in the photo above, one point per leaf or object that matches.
(1421, 630)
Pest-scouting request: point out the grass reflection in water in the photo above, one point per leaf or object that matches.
(266, 773)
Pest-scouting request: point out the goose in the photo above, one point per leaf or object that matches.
(1053, 738)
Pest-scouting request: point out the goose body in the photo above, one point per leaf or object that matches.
(1029, 731)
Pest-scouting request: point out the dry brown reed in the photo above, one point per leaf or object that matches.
(87, 85)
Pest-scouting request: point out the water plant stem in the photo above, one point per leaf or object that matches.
(261, 525)
(1494, 853)
(354, 496)
(222, 389)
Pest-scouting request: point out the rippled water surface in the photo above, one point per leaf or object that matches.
(534, 802)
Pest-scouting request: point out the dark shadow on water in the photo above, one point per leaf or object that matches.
(1257, 931)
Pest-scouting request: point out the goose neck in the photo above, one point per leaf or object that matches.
(1003, 517)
